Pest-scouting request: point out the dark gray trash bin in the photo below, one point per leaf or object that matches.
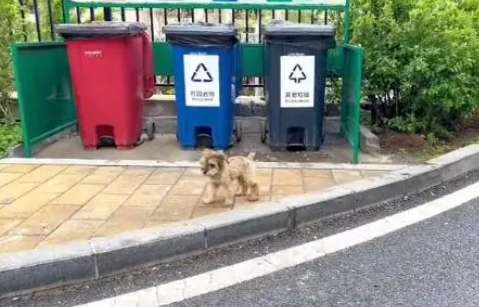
(295, 77)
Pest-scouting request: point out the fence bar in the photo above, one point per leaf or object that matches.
(107, 14)
(137, 14)
(152, 26)
(92, 14)
(50, 19)
(22, 14)
(206, 15)
(219, 16)
(64, 17)
(37, 20)
(178, 15)
(247, 25)
(78, 14)
(299, 16)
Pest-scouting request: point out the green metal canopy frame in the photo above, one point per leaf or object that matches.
(344, 62)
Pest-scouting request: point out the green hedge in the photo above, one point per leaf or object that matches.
(422, 62)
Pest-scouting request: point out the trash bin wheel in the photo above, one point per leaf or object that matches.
(150, 131)
(238, 131)
(264, 132)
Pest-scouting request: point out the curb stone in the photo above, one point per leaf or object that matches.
(26, 271)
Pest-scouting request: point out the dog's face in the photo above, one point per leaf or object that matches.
(212, 163)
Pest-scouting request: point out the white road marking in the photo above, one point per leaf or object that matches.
(228, 276)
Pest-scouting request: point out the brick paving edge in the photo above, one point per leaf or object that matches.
(25, 271)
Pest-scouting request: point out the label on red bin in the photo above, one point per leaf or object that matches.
(297, 81)
(202, 84)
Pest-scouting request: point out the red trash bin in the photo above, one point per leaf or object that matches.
(112, 71)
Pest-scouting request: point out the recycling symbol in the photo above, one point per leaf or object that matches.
(297, 74)
(201, 74)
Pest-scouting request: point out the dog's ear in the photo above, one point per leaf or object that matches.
(207, 152)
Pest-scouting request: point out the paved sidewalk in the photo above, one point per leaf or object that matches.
(43, 205)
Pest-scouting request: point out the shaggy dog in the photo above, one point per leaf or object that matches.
(228, 177)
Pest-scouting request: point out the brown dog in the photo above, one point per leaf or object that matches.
(243, 172)
(228, 177)
(219, 189)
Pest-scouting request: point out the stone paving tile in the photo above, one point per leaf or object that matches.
(166, 176)
(369, 174)
(103, 175)
(60, 183)
(202, 210)
(18, 168)
(287, 177)
(19, 243)
(8, 224)
(264, 172)
(26, 205)
(264, 183)
(101, 207)
(148, 196)
(14, 190)
(175, 208)
(193, 172)
(242, 203)
(79, 170)
(317, 173)
(346, 176)
(124, 219)
(283, 191)
(318, 183)
(45, 220)
(188, 186)
(6, 178)
(72, 230)
(80, 194)
(128, 181)
(42, 173)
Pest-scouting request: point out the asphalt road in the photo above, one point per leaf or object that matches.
(432, 263)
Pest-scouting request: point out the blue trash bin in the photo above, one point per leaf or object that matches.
(205, 82)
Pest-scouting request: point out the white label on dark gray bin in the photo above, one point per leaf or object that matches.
(202, 86)
(297, 81)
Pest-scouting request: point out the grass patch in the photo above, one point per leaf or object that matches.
(10, 135)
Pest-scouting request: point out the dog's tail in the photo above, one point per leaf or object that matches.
(251, 156)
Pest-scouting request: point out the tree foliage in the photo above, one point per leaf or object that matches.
(422, 64)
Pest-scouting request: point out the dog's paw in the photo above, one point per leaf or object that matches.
(253, 197)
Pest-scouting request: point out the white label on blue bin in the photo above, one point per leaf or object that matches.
(202, 86)
(297, 81)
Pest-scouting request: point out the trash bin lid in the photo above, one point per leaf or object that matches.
(201, 34)
(206, 29)
(282, 28)
(100, 29)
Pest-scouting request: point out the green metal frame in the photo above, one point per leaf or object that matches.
(45, 96)
(321, 5)
(44, 85)
(351, 98)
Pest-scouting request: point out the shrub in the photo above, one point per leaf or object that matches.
(10, 23)
(422, 64)
(9, 136)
